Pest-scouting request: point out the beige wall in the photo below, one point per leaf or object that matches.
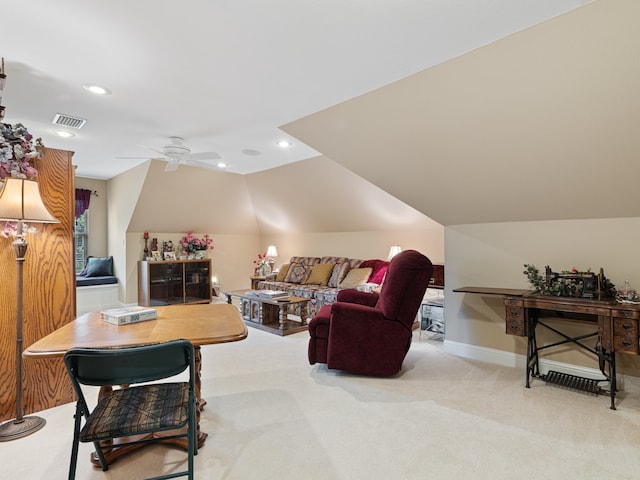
(124, 191)
(363, 245)
(319, 195)
(493, 255)
(231, 258)
(98, 241)
(314, 207)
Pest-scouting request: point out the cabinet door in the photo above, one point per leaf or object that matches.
(197, 281)
(165, 283)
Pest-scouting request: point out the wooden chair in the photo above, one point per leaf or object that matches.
(131, 414)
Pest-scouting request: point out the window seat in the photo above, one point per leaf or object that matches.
(83, 281)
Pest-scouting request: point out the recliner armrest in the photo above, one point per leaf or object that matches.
(349, 321)
(355, 296)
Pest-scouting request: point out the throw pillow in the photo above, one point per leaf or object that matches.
(355, 277)
(98, 267)
(320, 274)
(379, 268)
(282, 273)
(297, 273)
(339, 272)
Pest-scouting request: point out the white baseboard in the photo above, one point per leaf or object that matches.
(510, 359)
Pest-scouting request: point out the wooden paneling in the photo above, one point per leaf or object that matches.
(49, 292)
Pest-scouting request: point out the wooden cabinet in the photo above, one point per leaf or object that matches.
(49, 292)
(515, 317)
(174, 281)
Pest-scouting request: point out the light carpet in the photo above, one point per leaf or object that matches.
(270, 415)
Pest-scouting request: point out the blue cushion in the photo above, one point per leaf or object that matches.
(98, 267)
(82, 281)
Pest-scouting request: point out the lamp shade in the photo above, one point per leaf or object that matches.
(393, 251)
(20, 200)
(272, 251)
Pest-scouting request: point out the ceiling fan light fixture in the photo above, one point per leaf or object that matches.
(176, 149)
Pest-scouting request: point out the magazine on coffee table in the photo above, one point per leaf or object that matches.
(272, 294)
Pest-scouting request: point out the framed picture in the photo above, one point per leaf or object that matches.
(155, 255)
(169, 255)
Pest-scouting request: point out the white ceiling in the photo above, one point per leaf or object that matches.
(224, 74)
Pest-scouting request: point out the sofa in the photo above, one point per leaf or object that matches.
(321, 278)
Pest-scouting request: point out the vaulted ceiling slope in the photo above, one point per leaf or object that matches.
(319, 195)
(310, 196)
(541, 125)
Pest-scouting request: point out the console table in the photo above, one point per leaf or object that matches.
(615, 326)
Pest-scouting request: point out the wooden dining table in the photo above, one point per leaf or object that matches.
(201, 324)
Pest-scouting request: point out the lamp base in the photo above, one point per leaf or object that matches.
(12, 430)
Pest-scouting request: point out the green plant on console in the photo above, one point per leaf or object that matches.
(571, 283)
(536, 280)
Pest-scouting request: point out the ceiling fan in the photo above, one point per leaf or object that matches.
(177, 153)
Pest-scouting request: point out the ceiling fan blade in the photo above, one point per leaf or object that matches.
(152, 149)
(132, 158)
(203, 156)
(172, 166)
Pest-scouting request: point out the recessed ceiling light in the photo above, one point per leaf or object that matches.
(97, 89)
(284, 143)
(63, 133)
(222, 165)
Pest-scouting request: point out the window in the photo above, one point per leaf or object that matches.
(81, 235)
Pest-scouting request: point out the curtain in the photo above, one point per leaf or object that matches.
(83, 197)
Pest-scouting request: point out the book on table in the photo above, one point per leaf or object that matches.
(272, 294)
(123, 316)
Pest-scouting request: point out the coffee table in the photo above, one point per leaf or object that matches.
(270, 315)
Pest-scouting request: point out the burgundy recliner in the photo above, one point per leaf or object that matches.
(370, 334)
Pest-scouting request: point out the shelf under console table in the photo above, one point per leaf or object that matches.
(616, 329)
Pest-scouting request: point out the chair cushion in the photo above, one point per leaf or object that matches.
(320, 274)
(379, 270)
(92, 281)
(297, 273)
(139, 409)
(337, 275)
(282, 273)
(355, 277)
(98, 267)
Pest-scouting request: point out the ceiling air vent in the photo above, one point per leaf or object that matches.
(68, 121)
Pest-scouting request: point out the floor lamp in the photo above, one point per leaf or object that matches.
(20, 202)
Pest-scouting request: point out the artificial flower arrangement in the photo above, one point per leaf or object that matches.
(18, 155)
(263, 263)
(191, 244)
(17, 152)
